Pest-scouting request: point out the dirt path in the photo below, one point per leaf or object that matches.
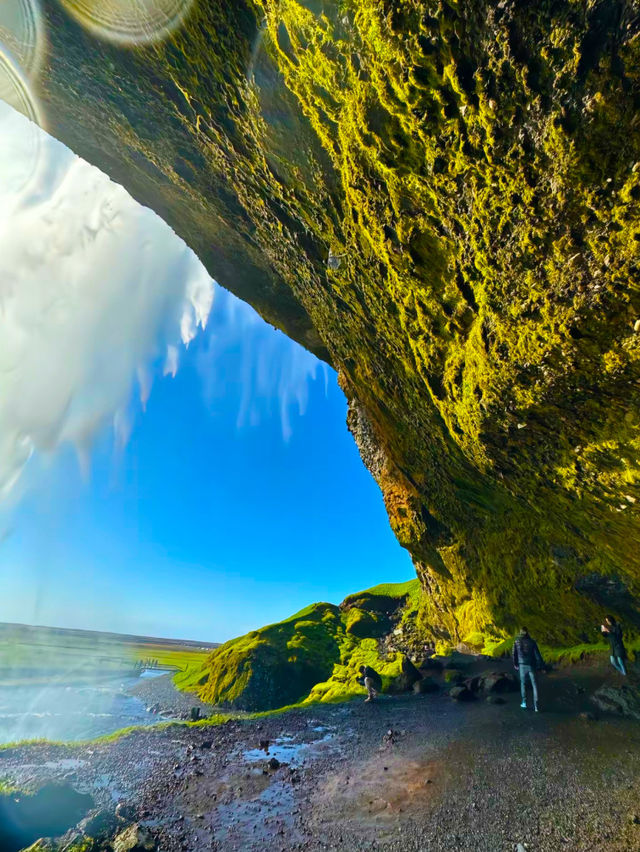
(450, 776)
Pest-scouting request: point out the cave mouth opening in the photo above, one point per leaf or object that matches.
(54, 809)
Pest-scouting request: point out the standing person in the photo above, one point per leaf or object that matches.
(612, 630)
(372, 681)
(527, 659)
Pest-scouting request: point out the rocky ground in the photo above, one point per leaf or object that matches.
(160, 695)
(411, 772)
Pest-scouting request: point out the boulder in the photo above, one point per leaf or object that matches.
(134, 839)
(474, 683)
(499, 682)
(401, 683)
(99, 823)
(431, 664)
(623, 700)
(461, 693)
(410, 672)
(453, 676)
(425, 685)
(125, 812)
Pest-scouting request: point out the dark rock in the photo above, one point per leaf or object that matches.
(461, 693)
(206, 744)
(194, 714)
(273, 764)
(474, 683)
(134, 839)
(453, 676)
(425, 685)
(623, 699)
(264, 744)
(410, 672)
(431, 664)
(500, 682)
(125, 812)
(401, 683)
(99, 823)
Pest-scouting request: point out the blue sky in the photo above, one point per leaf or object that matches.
(217, 517)
(199, 505)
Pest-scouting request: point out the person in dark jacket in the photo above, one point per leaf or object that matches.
(371, 680)
(527, 659)
(612, 630)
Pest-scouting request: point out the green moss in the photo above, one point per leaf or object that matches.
(476, 167)
(311, 656)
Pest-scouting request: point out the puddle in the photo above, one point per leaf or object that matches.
(47, 813)
(105, 782)
(65, 763)
(285, 750)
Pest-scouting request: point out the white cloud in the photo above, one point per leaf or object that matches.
(94, 289)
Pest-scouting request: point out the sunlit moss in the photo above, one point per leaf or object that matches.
(476, 167)
(311, 658)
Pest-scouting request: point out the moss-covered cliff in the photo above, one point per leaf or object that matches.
(314, 655)
(443, 199)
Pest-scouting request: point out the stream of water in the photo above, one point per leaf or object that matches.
(67, 711)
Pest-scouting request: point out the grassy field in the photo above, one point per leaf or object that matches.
(33, 654)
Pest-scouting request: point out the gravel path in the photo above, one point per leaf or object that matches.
(160, 693)
(404, 773)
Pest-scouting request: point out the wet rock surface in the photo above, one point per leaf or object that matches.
(161, 697)
(621, 698)
(411, 772)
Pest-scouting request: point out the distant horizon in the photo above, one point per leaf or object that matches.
(181, 639)
(212, 644)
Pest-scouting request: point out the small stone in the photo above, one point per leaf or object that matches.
(636, 325)
(273, 764)
(461, 693)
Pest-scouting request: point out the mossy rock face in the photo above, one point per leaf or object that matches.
(314, 655)
(276, 665)
(362, 624)
(474, 169)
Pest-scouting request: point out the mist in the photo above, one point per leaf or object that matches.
(94, 291)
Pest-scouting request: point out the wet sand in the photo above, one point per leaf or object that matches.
(403, 773)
